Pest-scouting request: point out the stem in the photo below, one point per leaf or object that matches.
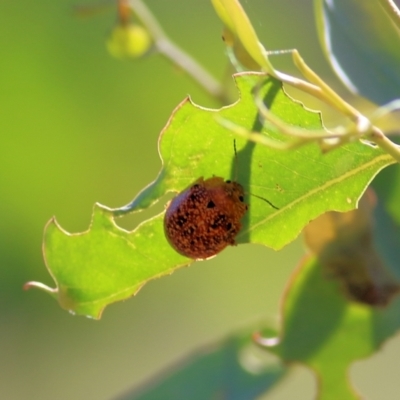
(331, 97)
(316, 87)
(173, 53)
(378, 137)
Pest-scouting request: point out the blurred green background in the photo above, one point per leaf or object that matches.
(77, 127)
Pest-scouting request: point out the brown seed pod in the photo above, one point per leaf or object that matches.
(205, 218)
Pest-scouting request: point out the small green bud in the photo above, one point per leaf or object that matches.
(129, 41)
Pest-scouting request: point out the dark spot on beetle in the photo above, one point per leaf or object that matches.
(181, 220)
(218, 221)
(210, 204)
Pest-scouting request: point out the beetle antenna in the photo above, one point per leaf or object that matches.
(236, 160)
(266, 200)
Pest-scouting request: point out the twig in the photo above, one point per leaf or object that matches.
(172, 52)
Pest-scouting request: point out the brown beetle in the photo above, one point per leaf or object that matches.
(205, 218)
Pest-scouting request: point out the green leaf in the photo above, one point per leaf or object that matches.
(107, 264)
(303, 183)
(228, 370)
(325, 331)
(362, 44)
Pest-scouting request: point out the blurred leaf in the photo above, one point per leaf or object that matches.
(387, 217)
(231, 370)
(362, 44)
(345, 246)
(243, 36)
(325, 331)
(240, 53)
(328, 318)
(388, 239)
(387, 186)
(107, 264)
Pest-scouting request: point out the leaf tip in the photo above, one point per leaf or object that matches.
(32, 284)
